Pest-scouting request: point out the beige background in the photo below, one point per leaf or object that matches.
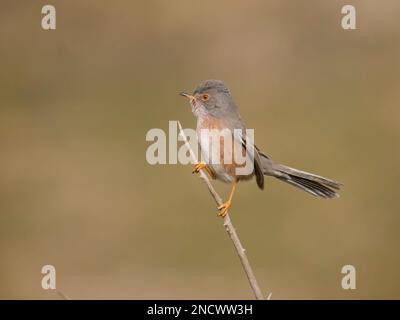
(75, 188)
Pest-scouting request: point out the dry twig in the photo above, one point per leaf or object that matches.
(228, 227)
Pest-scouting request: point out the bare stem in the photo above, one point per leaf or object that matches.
(62, 295)
(228, 227)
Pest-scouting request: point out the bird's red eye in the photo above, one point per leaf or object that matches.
(205, 97)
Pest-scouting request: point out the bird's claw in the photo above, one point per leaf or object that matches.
(198, 167)
(201, 166)
(223, 209)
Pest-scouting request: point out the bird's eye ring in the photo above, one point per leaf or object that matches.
(205, 97)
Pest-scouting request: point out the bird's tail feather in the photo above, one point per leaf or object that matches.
(311, 183)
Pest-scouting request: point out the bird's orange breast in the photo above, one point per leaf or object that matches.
(222, 159)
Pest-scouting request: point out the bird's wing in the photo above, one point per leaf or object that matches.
(253, 152)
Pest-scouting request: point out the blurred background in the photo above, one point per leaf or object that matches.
(76, 191)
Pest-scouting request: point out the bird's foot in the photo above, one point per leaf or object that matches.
(223, 209)
(204, 166)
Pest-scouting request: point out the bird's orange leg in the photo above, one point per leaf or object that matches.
(223, 209)
(204, 166)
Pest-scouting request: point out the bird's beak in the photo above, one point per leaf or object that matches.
(184, 94)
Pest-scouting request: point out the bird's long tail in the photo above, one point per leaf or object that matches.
(311, 183)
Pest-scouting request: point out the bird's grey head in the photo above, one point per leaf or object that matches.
(211, 97)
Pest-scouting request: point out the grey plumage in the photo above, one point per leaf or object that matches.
(309, 182)
(220, 105)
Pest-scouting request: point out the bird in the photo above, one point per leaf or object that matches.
(215, 110)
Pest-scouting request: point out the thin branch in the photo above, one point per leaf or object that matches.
(62, 295)
(228, 227)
